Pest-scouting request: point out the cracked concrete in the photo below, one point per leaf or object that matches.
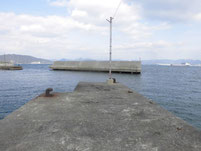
(96, 117)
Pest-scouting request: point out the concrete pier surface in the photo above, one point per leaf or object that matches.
(96, 117)
(101, 66)
(11, 68)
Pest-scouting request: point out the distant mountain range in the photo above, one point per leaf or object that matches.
(146, 62)
(23, 59)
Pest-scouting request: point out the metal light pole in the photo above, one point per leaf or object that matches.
(110, 58)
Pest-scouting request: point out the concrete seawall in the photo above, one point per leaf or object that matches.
(96, 117)
(102, 66)
(9, 66)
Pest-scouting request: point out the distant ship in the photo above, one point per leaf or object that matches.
(182, 64)
(163, 64)
(37, 62)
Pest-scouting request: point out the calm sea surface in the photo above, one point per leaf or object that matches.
(178, 89)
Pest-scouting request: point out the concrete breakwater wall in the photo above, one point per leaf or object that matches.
(103, 66)
(96, 117)
(9, 66)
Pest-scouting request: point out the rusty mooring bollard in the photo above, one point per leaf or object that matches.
(114, 80)
(47, 92)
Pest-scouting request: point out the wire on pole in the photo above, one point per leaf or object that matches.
(117, 8)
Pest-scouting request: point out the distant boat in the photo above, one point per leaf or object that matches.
(162, 64)
(182, 64)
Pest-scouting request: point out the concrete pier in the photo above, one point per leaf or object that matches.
(9, 66)
(96, 117)
(101, 66)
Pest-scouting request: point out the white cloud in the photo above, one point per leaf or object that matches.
(78, 13)
(171, 10)
(197, 16)
(59, 3)
(95, 13)
(84, 31)
(150, 45)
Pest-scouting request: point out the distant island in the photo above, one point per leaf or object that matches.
(23, 59)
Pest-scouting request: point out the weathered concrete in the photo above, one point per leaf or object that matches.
(96, 117)
(103, 66)
(9, 66)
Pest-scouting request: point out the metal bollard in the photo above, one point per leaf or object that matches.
(47, 92)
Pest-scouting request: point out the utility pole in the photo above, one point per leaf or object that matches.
(110, 52)
(110, 56)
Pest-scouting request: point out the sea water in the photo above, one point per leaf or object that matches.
(177, 89)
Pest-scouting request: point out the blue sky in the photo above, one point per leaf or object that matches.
(146, 29)
(32, 7)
